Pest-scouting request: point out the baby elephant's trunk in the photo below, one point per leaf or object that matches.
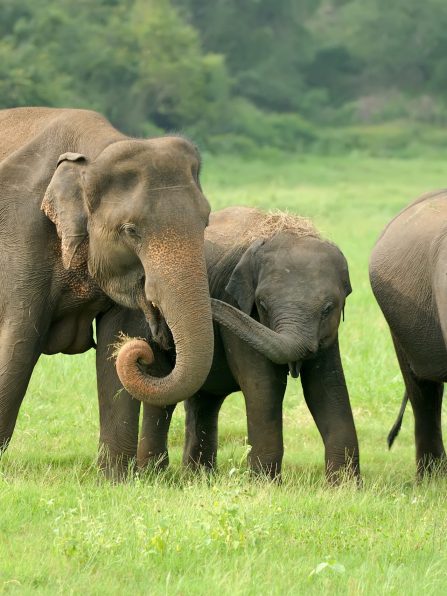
(280, 348)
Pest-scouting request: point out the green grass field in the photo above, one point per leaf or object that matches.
(64, 530)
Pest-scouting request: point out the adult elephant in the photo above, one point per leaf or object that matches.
(278, 293)
(89, 217)
(408, 272)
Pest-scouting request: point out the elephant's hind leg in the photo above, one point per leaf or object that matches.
(153, 445)
(201, 425)
(426, 400)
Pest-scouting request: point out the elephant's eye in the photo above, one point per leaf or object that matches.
(327, 309)
(130, 230)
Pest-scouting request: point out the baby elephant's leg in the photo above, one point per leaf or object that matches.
(263, 385)
(264, 390)
(327, 397)
(153, 444)
(201, 426)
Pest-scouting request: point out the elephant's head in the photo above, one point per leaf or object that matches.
(296, 287)
(139, 208)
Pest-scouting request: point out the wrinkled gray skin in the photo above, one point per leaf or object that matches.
(90, 217)
(296, 287)
(408, 272)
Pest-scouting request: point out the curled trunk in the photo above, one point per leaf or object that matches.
(185, 305)
(280, 348)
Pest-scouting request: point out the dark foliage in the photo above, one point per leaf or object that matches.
(234, 75)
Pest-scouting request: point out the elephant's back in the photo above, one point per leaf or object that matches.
(228, 226)
(402, 259)
(412, 233)
(20, 127)
(401, 270)
(403, 255)
(418, 221)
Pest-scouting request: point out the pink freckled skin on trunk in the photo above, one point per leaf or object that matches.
(179, 288)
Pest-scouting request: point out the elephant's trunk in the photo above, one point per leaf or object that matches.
(281, 348)
(183, 298)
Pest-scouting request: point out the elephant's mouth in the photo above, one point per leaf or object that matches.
(294, 369)
(160, 331)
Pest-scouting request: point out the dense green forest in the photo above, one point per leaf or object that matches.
(233, 74)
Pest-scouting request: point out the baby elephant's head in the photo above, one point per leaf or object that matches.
(296, 286)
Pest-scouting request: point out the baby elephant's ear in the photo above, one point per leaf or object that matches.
(345, 275)
(348, 287)
(244, 279)
(343, 270)
(64, 204)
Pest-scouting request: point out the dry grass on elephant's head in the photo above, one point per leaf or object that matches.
(267, 225)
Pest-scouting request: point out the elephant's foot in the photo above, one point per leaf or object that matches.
(430, 464)
(265, 467)
(344, 470)
(7, 424)
(115, 467)
(4, 442)
(197, 459)
(152, 453)
(153, 461)
(342, 475)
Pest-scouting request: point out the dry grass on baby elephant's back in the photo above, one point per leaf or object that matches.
(266, 225)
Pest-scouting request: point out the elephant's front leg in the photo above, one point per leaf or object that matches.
(118, 411)
(153, 444)
(201, 428)
(19, 352)
(327, 397)
(263, 385)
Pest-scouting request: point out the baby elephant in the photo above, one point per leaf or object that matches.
(408, 272)
(280, 293)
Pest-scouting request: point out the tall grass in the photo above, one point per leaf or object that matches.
(63, 529)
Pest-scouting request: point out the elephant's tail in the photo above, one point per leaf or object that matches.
(396, 426)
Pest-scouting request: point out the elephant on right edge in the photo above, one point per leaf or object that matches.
(281, 291)
(408, 272)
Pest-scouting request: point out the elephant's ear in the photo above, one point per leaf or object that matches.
(243, 281)
(64, 204)
(344, 272)
(348, 287)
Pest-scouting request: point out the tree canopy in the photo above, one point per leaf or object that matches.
(261, 69)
